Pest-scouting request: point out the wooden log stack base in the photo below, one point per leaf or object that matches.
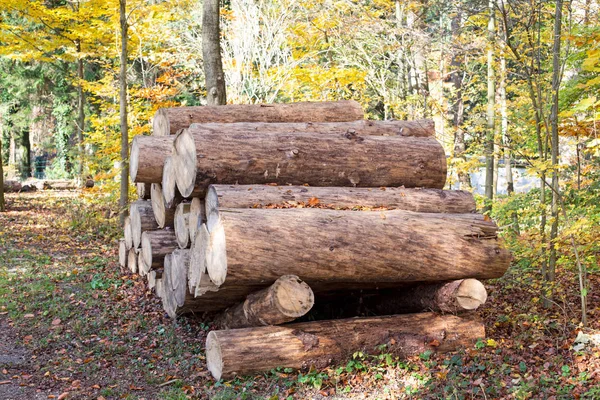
(142, 220)
(253, 246)
(317, 160)
(321, 343)
(168, 121)
(147, 157)
(164, 216)
(284, 301)
(156, 245)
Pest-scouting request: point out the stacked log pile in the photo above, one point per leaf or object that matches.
(259, 214)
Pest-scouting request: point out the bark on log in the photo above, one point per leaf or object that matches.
(143, 191)
(260, 245)
(148, 154)
(141, 220)
(156, 245)
(132, 260)
(127, 232)
(163, 215)
(182, 230)
(284, 301)
(317, 160)
(167, 121)
(123, 253)
(321, 343)
(418, 200)
(197, 217)
(417, 128)
(449, 297)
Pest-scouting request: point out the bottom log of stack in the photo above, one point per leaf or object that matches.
(321, 343)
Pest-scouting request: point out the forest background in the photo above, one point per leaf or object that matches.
(509, 84)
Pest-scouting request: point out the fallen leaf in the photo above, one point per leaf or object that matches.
(56, 321)
(63, 396)
(313, 201)
(28, 316)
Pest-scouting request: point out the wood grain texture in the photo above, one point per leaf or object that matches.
(148, 154)
(156, 245)
(142, 220)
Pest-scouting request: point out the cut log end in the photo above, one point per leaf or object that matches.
(293, 297)
(127, 232)
(122, 253)
(163, 215)
(471, 294)
(169, 188)
(134, 158)
(196, 218)
(216, 255)
(211, 201)
(197, 267)
(182, 230)
(185, 162)
(160, 123)
(132, 259)
(214, 357)
(143, 190)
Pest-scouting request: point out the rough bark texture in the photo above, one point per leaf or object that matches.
(317, 160)
(2, 203)
(163, 215)
(449, 297)
(142, 220)
(168, 121)
(156, 245)
(197, 217)
(324, 342)
(143, 191)
(284, 301)
(211, 54)
(123, 253)
(419, 128)
(148, 154)
(419, 200)
(353, 246)
(124, 186)
(182, 231)
(128, 233)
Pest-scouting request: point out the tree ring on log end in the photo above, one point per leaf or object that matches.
(216, 258)
(185, 162)
(293, 297)
(214, 358)
(134, 157)
(160, 123)
(471, 294)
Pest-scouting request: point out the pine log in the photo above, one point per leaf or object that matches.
(156, 245)
(167, 121)
(132, 260)
(318, 245)
(284, 301)
(417, 128)
(127, 232)
(142, 219)
(419, 200)
(143, 191)
(321, 343)
(197, 266)
(148, 154)
(449, 297)
(197, 217)
(164, 216)
(182, 231)
(317, 160)
(123, 253)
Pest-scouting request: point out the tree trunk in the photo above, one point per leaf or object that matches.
(491, 99)
(211, 54)
(168, 121)
(80, 113)
(284, 301)
(2, 202)
(143, 191)
(317, 160)
(321, 343)
(123, 253)
(181, 225)
(124, 197)
(156, 245)
(449, 297)
(197, 217)
(265, 196)
(163, 215)
(148, 155)
(260, 245)
(142, 220)
(128, 233)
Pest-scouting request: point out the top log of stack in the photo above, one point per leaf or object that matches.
(265, 192)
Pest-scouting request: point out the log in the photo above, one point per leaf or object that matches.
(132, 260)
(127, 232)
(197, 217)
(321, 343)
(169, 187)
(317, 160)
(448, 297)
(419, 200)
(164, 216)
(142, 219)
(417, 128)
(158, 287)
(318, 245)
(143, 191)
(12, 186)
(142, 270)
(180, 261)
(153, 276)
(60, 184)
(197, 266)
(284, 301)
(123, 253)
(147, 157)
(156, 245)
(167, 121)
(181, 223)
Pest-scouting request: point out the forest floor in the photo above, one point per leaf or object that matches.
(73, 325)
